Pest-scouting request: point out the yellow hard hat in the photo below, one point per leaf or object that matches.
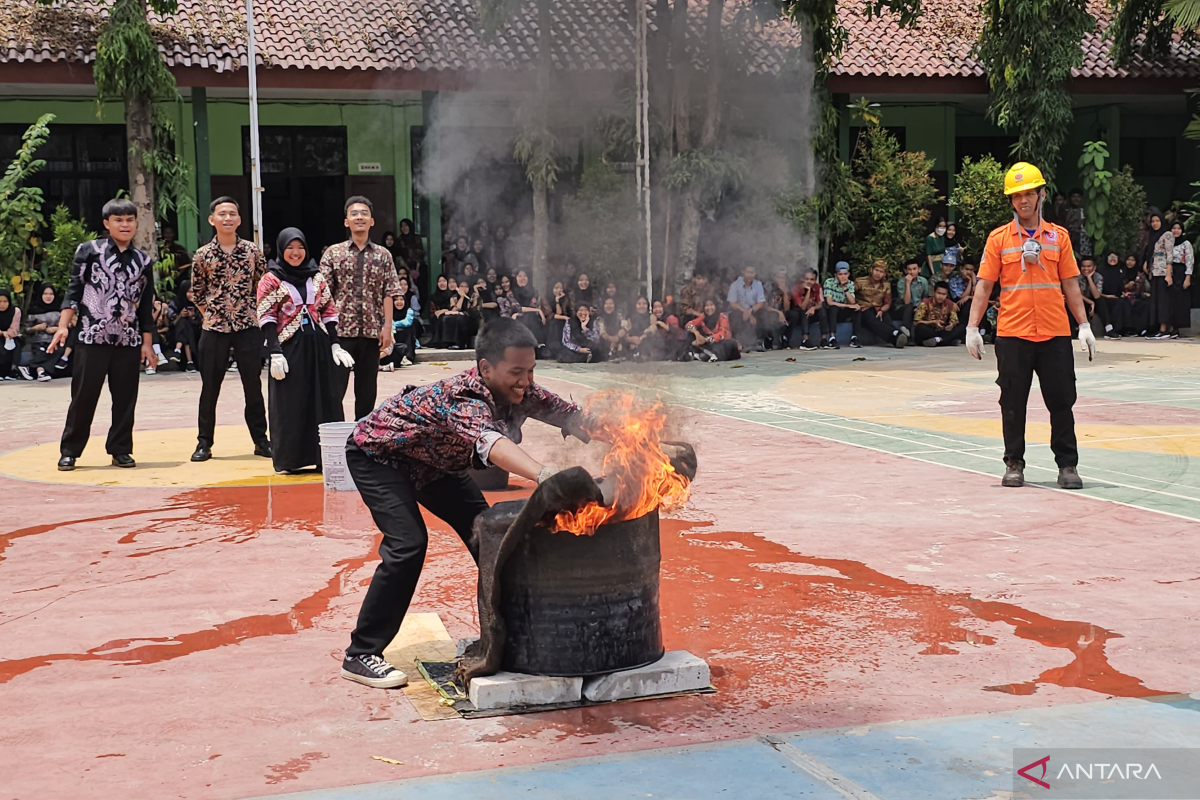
(1021, 177)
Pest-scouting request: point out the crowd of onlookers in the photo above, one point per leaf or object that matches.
(714, 318)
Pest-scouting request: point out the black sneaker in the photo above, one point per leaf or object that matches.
(263, 449)
(807, 345)
(371, 670)
(191, 367)
(854, 342)
(832, 344)
(176, 356)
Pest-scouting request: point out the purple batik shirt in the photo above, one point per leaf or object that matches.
(430, 431)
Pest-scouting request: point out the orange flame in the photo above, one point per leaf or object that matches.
(635, 464)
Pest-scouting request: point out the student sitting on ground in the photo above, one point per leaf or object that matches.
(711, 339)
(673, 339)
(612, 329)
(640, 340)
(808, 309)
(911, 289)
(936, 319)
(839, 299)
(874, 295)
(581, 339)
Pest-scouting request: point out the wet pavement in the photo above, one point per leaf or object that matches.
(184, 642)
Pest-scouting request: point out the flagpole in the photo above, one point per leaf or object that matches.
(256, 189)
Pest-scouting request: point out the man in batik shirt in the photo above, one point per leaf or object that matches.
(112, 292)
(362, 277)
(225, 276)
(414, 451)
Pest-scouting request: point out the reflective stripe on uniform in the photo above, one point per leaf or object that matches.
(1017, 286)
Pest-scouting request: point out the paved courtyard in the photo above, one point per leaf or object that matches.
(882, 619)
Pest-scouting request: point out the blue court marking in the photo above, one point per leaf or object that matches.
(728, 770)
(953, 758)
(971, 757)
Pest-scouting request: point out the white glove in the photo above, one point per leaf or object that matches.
(975, 343)
(342, 358)
(1087, 339)
(547, 472)
(279, 367)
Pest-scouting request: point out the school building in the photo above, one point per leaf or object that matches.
(347, 93)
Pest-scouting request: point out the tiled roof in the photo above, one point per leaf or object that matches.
(588, 35)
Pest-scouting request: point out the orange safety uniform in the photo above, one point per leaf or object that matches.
(1031, 299)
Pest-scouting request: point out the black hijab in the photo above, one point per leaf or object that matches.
(1152, 236)
(612, 322)
(638, 322)
(440, 298)
(6, 317)
(711, 321)
(297, 276)
(39, 306)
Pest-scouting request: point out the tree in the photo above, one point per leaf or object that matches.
(1029, 49)
(130, 69)
(1146, 28)
(979, 199)
(21, 208)
(68, 234)
(890, 205)
(1097, 190)
(1126, 204)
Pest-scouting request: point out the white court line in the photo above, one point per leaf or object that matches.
(914, 458)
(818, 769)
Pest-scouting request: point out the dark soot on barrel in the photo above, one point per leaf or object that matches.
(583, 605)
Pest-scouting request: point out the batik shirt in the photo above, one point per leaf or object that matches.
(872, 294)
(430, 431)
(360, 281)
(931, 312)
(112, 293)
(280, 302)
(226, 284)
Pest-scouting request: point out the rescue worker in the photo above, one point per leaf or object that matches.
(1035, 266)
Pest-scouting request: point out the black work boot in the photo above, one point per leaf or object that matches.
(1014, 474)
(1068, 478)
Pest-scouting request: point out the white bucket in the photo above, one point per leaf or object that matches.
(333, 455)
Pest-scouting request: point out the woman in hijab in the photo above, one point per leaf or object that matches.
(40, 326)
(389, 244)
(641, 339)
(411, 249)
(612, 329)
(1156, 262)
(581, 339)
(583, 294)
(10, 336)
(560, 314)
(953, 253)
(499, 249)
(1179, 280)
(711, 339)
(531, 316)
(439, 306)
(298, 317)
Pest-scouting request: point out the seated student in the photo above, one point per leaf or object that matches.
(531, 308)
(962, 288)
(581, 339)
(1120, 310)
(911, 289)
(506, 302)
(489, 308)
(808, 309)
(747, 301)
(1091, 287)
(186, 318)
(10, 336)
(40, 325)
(874, 298)
(612, 329)
(777, 333)
(403, 336)
(936, 319)
(691, 300)
(610, 290)
(673, 339)
(561, 313)
(460, 321)
(1137, 293)
(838, 292)
(640, 340)
(711, 338)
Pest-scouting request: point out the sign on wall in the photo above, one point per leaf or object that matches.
(370, 166)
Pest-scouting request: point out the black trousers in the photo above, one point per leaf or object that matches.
(213, 354)
(881, 328)
(799, 320)
(1053, 362)
(924, 331)
(94, 363)
(365, 352)
(395, 506)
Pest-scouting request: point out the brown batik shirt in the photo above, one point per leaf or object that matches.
(226, 285)
(360, 281)
(871, 294)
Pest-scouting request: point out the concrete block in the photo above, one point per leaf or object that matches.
(676, 671)
(509, 689)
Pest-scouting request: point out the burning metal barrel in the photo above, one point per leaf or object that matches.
(583, 605)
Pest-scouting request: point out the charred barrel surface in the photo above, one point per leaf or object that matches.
(582, 605)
